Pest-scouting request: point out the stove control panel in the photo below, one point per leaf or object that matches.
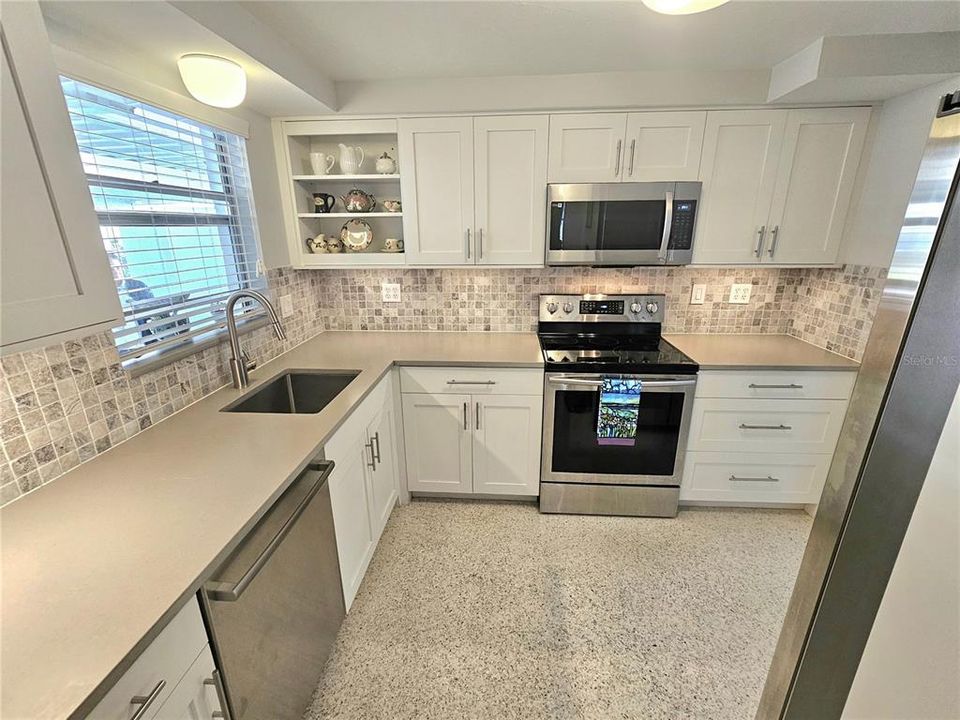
(602, 308)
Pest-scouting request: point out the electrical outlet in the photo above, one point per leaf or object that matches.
(390, 292)
(698, 295)
(286, 305)
(740, 293)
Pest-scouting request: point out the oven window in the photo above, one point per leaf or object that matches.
(575, 446)
(602, 225)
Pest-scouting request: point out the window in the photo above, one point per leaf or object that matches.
(176, 215)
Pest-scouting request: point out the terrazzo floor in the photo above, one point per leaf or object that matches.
(491, 610)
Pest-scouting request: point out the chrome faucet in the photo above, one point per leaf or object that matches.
(240, 364)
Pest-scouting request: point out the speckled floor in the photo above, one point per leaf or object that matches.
(491, 610)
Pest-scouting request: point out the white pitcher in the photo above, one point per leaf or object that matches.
(321, 162)
(349, 164)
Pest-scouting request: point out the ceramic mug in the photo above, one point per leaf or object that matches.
(323, 202)
(322, 162)
(393, 245)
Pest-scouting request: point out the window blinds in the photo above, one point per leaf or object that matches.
(176, 214)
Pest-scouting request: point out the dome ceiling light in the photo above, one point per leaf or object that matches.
(682, 7)
(213, 80)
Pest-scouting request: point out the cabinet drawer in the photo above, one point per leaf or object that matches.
(471, 380)
(754, 478)
(766, 426)
(166, 659)
(801, 385)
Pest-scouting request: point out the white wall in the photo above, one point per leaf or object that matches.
(911, 665)
(899, 132)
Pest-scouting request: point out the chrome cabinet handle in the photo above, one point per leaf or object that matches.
(667, 225)
(758, 251)
(744, 426)
(633, 151)
(145, 701)
(217, 682)
(468, 243)
(464, 416)
(373, 458)
(231, 592)
(789, 386)
(480, 243)
(774, 236)
(575, 381)
(471, 382)
(376, 439)
(478, 416)
(768, 478)
(616, 169)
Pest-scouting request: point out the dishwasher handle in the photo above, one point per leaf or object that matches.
(230, 592)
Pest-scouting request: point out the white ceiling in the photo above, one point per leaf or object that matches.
(352, 40)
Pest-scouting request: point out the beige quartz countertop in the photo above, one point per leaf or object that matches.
(758, 352)
(98, 559)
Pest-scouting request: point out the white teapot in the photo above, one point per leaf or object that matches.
(349, 161)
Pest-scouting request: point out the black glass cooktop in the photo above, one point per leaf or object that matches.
(584, 353)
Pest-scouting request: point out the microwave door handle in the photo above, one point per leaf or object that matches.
(667, 225)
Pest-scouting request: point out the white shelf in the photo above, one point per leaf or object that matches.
(359, 216)
(353, 259)
(347, 178)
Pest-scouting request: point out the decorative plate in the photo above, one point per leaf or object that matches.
(356, 235)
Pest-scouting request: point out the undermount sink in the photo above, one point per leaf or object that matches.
(298, 391)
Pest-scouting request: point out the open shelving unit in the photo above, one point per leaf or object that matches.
(300, 138)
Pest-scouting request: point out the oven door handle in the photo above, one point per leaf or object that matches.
(598, 383)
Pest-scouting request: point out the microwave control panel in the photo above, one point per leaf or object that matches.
(681, 230)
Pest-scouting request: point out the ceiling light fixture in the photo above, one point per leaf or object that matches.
(682, 7)
(213, 80)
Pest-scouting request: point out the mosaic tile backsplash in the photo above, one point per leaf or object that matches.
(64, 404)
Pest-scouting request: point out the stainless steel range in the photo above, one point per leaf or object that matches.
(590, 343)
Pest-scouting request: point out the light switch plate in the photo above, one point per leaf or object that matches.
(740, 293)
(698, 295)
(390, 292)
(286, 305)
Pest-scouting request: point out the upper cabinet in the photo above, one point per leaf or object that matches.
(777, 185)
(55, 279)
(474, 189)
(625, 147)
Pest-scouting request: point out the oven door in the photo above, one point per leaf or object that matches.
(572, 453)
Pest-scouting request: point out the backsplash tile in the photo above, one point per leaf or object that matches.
(65, 404)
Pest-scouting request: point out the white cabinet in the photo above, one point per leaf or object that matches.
(663, 146)
(485, 442)
(741, 149)
(153, 677)
(436, 181)
(777, 184)
(510, 154)
(195, 696)
(474, 189)
(363, 484)
(586, 147)
(56, 279)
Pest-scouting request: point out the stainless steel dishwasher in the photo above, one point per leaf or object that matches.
(276, 604)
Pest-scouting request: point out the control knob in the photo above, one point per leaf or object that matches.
(636, 308)
(652, 307)
(568, 307)
(551, 307)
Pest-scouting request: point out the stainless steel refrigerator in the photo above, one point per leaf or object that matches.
(907, 382)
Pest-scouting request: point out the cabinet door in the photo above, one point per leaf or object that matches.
(818, 165)
(739, 171)
(664, 146)
(436, 180)
(55, 274)
(351, 519)
(195, 697)
(436, 430)
(586, 148)
(511, 189)
(506, 449)
(382, 471)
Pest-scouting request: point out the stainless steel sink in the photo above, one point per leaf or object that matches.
(297, 391)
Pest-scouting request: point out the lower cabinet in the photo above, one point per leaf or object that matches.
(364, 482)
(195, 697)
(483, 442)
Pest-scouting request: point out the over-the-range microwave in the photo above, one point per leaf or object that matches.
(648, 223)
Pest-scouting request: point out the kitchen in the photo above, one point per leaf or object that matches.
(487, 383)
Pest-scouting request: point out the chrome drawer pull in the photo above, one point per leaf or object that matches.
(768, 478)
(217, 682)
(373, 458)
(376, 439)
(791, 386)
(145, 701)
(744, 426)
(464, 416)
(471, 382)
